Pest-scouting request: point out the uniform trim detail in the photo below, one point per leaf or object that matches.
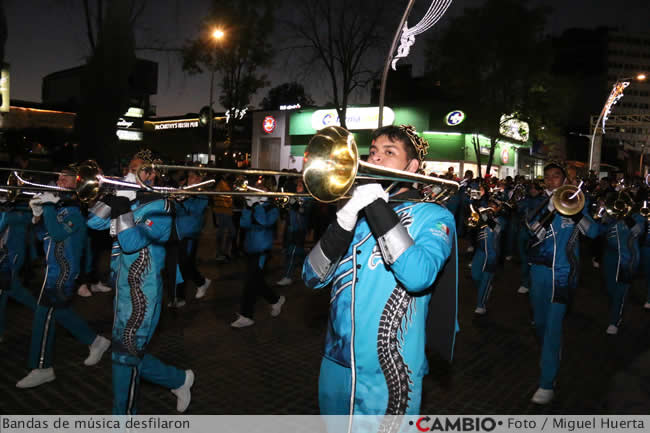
(124, 222)
(394, 243)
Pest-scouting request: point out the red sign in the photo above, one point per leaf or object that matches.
(269, 124)
(505, 155)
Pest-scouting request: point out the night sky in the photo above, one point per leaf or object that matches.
(49, 35)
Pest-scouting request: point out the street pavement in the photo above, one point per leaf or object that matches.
(272, 367)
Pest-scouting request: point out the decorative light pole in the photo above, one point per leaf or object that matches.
(615, 95)
(217, 35)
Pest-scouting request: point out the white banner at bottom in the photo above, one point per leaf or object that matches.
(319, 423)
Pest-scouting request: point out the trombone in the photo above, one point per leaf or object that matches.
(332, 166)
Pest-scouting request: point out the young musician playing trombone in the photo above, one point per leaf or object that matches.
(62, 228)
(554, 254)
(381, 259)
(141, 224)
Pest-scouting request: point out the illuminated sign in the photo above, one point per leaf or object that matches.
(121, 123)
(355, 118)
(177, 125)
(485, 150)
(454, 118)
(129, 135)
(290, 107)
(505, 155)
(269, 124)
(134, 112)
(513, 128)
(4, 90)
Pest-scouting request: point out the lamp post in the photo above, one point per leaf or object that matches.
(614, 96)
(217, 35)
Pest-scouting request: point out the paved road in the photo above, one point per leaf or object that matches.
(272, 367)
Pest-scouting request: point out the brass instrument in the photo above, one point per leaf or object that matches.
(645, 210)
(568, 200)
(331, 167)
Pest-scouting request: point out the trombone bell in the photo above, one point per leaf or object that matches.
(568, 200)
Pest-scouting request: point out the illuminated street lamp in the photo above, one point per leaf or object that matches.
(217, 35)
(613, 98)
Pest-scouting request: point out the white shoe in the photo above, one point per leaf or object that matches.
(469, 266)
(200, 291)
(100, 287)
(508, 258)
(284, 281)
(595, 264)
(97, 349)
(543, 396)
(177, 303)
(522, 289)
(470, 249)
(36, 377)
(83, 291)
(612, 330)
(276, 308)
(480, 310)
(646, 306)
(183, 394)
(242, 322)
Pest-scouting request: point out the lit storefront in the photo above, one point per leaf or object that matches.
(449, 146)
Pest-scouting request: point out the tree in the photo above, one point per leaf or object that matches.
(242, 53)
(496, 59)
(344, 37)
(287, 94)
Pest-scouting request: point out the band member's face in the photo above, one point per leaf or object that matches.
(391, 154)
(193, 178)
(553, 178)
(300, 187)
(66, 180)
(135, 164)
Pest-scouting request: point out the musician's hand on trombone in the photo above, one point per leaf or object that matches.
(362, 196)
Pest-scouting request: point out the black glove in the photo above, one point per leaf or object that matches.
(491, 223)
(107, 199)
(119, 206)
(629, 221)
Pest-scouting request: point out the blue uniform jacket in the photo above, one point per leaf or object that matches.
(190, 216)
(622, 242)
(14, 225)
(376, 309)
(63, 231)
(488, 244)
(259, 223)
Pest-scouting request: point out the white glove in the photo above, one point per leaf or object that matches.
(37, 208)
(362, 196)
(47, 197)
(128, 193)
(250, 201)
(550, 206)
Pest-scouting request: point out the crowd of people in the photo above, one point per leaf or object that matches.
(380, 254)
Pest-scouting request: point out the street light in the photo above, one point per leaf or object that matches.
(217, 35)
(614, 96)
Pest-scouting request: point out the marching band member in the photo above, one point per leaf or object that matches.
(620, 259)
(554, 254)
(295, 232)
(189, 223)
(486, 256)
(141, 224)
(258, 221)
(62, 230)
(527, 208)
(381, 259)
(15, 219)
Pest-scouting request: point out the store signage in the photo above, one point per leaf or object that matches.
(290, 107)
(355, 118)
(4, 90)
(454, 118)
(134, 112)
(127, 135)
(485, 150)
(177, 125)
(121, 123)
(269, 124)
(513, 128)
(505, 156)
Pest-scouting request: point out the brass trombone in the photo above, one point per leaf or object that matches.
(332, 166)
